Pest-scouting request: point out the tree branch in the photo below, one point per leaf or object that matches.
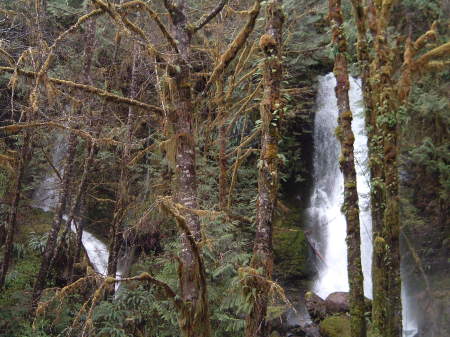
(8, 57)
(169, 206)
(138, 4)
(236, 45)
(168, 291)
(81, 133)
(424, 38)
(88, 88)
(442, 50)
(206, 19)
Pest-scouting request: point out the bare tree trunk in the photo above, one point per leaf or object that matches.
(347, 164)
(271, 110)
(12, 220)
(49, 250)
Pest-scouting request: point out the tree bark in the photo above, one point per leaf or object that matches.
(12, 218)
(49, 250)
(194, 321)
(386, 267)
(347, 163)
(271, 110)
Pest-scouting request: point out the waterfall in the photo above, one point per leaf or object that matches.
(46, 198)
(326, 219)
(327, 223)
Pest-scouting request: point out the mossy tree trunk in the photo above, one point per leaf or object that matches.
(347, 164)
(374, 143)
(23, 160)
(194, 318)
(271, 110)
(49, 250)
(386, 267)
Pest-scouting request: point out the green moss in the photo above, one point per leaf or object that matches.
(290, 248)
(275, 334)
(335, 326)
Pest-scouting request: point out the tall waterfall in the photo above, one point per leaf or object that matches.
(327, 223)
(326, 219)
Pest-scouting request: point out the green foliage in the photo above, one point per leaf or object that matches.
(37, 242)
(15, 298)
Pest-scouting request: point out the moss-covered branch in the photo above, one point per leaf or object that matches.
(206, 19)
(236, 45)
(108, 96)
(146, 7)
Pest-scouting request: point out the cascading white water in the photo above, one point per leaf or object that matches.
(327, 223)
(46, 198)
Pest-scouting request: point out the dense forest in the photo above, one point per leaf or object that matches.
(199, 168)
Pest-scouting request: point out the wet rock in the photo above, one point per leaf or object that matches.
(337, 302)
(295, 323)
(316, 306)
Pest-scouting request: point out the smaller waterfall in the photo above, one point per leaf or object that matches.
(46, 198)
(326, 219)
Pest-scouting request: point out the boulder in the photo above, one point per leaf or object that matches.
(337, 303)
(294, 323)
(316, 306)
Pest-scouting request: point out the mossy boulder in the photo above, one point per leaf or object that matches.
(335, 326)
(275, 334)
(290, 248)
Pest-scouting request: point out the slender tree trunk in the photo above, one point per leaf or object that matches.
(74, 211)
(78, 200)
(271, 110)
(347, 164)
(374, 145)
(124, 180)
(386, 308)
(49, 250)
(12, 219)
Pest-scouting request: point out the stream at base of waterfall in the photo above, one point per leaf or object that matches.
(46, 198)
(326, 221)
